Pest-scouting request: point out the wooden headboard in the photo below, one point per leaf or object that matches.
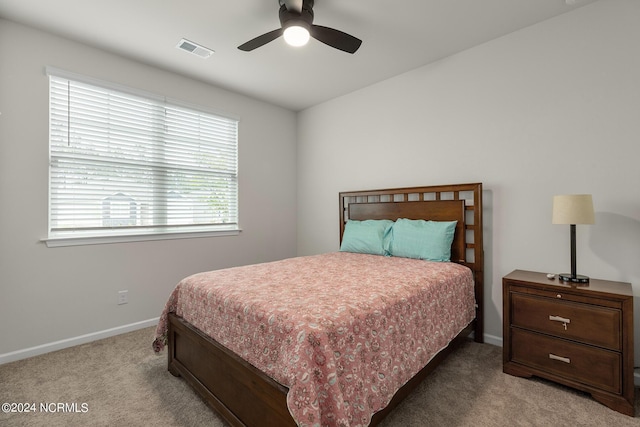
(460, 202)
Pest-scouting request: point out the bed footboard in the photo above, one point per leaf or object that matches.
(240, 393)
(243, 395)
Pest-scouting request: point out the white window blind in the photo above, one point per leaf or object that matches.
(121, 163)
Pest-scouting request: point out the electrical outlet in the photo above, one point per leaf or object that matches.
(123, 297)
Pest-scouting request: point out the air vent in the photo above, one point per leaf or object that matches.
(194, 48)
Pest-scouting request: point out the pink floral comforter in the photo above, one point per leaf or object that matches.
(342, 331)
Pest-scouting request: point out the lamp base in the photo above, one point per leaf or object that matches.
(578, 278)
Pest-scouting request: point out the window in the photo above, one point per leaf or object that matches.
(125, 164)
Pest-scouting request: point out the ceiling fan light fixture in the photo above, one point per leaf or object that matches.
(296, 35)
(296, 25)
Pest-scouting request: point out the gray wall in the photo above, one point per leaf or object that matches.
(551, 109)
(53, 294)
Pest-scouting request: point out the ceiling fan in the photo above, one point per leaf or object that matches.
(296, 20)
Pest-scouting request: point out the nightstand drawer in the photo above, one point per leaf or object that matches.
(582, 363)
(586, 323)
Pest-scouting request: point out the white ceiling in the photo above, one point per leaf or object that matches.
(397, 36)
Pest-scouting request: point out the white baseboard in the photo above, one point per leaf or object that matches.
(71, 342)
(491, 339)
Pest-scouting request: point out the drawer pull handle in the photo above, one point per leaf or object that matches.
(560, 319)
(560, 358)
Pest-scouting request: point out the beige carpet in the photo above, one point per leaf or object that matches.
(119, 381)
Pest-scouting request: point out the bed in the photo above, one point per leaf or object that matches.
(303, 373)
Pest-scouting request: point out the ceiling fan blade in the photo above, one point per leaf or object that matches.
(261, 40)
(293, 5)
(335, 38)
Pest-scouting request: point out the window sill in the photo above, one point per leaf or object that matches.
(76, 240)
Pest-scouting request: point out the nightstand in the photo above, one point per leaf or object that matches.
(577, 335)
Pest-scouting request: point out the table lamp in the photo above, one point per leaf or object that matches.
(573, 209)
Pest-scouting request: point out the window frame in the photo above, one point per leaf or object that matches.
(74, 237)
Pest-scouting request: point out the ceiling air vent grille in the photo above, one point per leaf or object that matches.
(194, 48)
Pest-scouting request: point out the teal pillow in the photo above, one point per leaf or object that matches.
(366, 237)
(420, 239)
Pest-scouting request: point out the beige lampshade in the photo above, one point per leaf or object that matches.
(573, 209)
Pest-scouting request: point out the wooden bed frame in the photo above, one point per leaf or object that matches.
(245, 396)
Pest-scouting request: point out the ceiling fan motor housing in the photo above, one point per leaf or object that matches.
(303, 19)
